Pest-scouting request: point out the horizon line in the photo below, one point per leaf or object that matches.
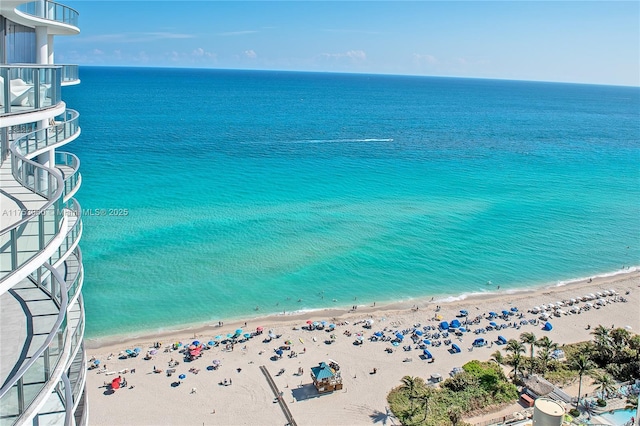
(358, 73)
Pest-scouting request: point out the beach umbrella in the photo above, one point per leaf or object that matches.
(279, 351)
(455, 323)
(229, 335)
(504, 312)
(96, 362)
(493, 314)
(370, 321)
(153, 352)
(514, 309)
(218, 337)
(359, 338)
(462, 329)
(192, 347)
(378, 334)
(316, 323)
(272, 336)
(332, 326)
(196, 342)
(426, 341)
(399, 336)
(418, 332)
(211, 343)
(115, 383)
(323, 322)
(238, 331)
(309, 322)
(247, 335)
(259, 328)
(182, 377)
(216, 362)
(427, 354)
(493, 324)
(444, 325)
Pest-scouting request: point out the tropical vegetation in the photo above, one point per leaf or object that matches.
(479, 385)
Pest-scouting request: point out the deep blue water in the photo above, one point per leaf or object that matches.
(256, 188)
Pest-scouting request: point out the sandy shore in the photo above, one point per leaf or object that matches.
(155, 399)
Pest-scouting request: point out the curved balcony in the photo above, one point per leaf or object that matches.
(51, 11)
(70, 74)
(69, 166)
(34, 234)
(73, 214)
(66, 129)
(43, 357)
(28, 87)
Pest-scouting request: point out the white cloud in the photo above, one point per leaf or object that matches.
(97, 52)
(250, 54)
(201, 53)
(353, 55)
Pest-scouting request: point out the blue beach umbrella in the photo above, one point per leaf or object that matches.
(464, 313)
(316, 323)
(247, 335)
(427, 354)
(137, 350)
(505, 313)
(196, 342)
(426, 341)
(323, 322)
(279, 351)
(129, 351)
(399, 336)
(238, 331)
(493, 314)
(493, 324)
(462, 329)
(514, 309)
(218, 337)
(182, 377)
(378, 334)
(332, 326)
(96, 362)
(229, 335)
(211, 343)
(418, 333)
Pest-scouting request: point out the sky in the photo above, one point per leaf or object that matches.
(596, 42)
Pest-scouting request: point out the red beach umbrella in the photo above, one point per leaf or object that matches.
(115, 383)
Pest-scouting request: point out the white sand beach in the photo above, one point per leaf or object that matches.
(155, 398)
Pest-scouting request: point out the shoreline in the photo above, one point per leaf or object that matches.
(227, 386)
(389, 308)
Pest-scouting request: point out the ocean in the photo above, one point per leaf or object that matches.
(224, 194)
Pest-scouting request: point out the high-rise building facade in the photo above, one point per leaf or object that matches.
(42, 358)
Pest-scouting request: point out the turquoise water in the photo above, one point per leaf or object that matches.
(618, 417)
(247, 189)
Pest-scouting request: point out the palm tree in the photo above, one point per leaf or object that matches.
(530, 339)
(455, 414)
(424, 398)
(516, 348)
(547, 346)
(634, 345)
(603, 341)
(497, 357)
(605, 383)
(582, 364)
(410, 383)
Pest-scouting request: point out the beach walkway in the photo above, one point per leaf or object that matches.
(278, 395)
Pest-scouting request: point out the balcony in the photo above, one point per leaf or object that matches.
(50, 11)
(70, 75)
(34, 362)
(65, 129)
(27, 87)
(69, 166)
